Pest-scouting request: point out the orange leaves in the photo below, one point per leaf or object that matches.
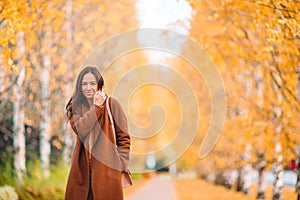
(29, 72)
(15, 68)
(246, 37)
(10, 62)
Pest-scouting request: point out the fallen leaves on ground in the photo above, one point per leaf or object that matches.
(195, 189)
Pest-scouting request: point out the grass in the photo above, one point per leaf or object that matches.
(53, 188)
(38, 188)
(35, 186)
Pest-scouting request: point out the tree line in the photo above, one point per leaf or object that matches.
(254, 44)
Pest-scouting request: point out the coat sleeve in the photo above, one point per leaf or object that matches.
(122, 135)
(82, 123)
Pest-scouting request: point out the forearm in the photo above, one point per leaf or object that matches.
(82, 124)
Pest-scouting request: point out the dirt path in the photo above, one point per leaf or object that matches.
(159, 188)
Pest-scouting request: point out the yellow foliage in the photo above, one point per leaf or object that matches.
(242, 38)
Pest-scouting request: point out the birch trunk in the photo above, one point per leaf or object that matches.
(277, 167)
(45, 123)
(244, 172)
(261, 166)
(45, 147)
(68, 139)
(278, 182)
(18, 119)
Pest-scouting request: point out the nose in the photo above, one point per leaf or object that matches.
(89, 86)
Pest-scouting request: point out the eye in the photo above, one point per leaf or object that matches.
(93, 83)
(83, 83)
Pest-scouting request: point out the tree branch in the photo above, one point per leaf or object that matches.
(273, 7)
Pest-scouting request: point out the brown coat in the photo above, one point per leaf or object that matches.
(107, 161)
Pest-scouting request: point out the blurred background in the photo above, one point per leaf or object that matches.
(255, 46)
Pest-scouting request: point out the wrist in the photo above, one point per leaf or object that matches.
(99, 105)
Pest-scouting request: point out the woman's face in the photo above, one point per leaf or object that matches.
(89, 85)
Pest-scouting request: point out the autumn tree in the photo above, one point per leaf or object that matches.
(40, 43)
(255, 45)
(14, 66)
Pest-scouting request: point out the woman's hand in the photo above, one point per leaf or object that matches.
(99, 98)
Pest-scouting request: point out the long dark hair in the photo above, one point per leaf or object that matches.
(77, 96)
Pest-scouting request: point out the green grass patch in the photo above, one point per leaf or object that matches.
(136, 176)
(36, 187)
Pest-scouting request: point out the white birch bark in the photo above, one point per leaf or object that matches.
(261, 165)
(45, 123)
(247, 169)
(277, 167)
(18, 119)
(278, 182)
(68, 139)
(244, 171)
(45, 118)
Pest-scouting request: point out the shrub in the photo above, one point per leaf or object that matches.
(8, 193)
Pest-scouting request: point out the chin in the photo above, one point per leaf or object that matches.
(88, 97)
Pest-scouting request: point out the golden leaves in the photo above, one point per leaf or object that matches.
(10, 62)
(15, 68)
(245, 37)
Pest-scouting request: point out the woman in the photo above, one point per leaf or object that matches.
(97, 164)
